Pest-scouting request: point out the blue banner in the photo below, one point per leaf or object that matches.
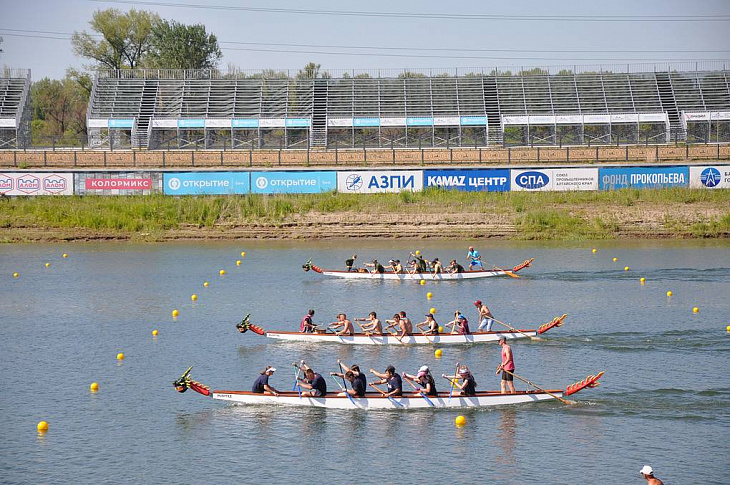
(191, 123)
(293, 182)
(366, 122)
(493, 180)
(245, 123)
(639, 177)
(297, 122)
(121, 123)
(473, 120)
(419, 121)
(196, 183)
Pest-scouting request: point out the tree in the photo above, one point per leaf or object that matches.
(178, 46)
(310, 71)
(58, 109)
(126, 38)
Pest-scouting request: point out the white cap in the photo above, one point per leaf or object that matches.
(647, 470)
(271, 369)
(424, 368)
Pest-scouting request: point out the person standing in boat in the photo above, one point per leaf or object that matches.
(454, 267)
(459, 324)
(391, 378)
(350, 262)
(307, 325)
(475, 259)
(357, 379)
(377, 267)
(313, 381)
(425, 380)
(507, 367)
(468, 385)
(261, 384)
(428, 326)
(420, 264)
(344, 324)
(375, 326)
(486, 320)
(648, 473)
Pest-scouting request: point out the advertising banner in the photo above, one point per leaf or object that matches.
(446, 121)
(298, 122)
(339, 121)
(197, 183)
(419, 121)
(555, 179)
(26, 183)
(117, 183)
(293, 182)
(91, 123)
(245, 123)
(473, 120)
(639, 177)
(365, 122)
(493, 180)
(710, 177)
(129, 123)
(272, 122)
(191, 123)
(218, 123)
(164, 123)
(375, 181)
(392, 122)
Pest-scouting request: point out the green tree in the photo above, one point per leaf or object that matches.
(126, 38)
(178, 46)
(310, 71)
(58, 110)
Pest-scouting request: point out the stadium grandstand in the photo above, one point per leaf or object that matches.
(14, 108)
(411, 108)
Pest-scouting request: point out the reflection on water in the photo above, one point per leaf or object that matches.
(506, 437)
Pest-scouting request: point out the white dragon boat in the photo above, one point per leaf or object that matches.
(374, 400)
(390, 275)
(393, 339)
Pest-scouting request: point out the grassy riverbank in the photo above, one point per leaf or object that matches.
(433, 213)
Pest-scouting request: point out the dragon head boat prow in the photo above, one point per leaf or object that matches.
(185, 382)
(526, 263)
(590, 381)
(555, 322)
(245, 325)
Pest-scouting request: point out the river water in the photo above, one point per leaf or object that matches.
(664, 400)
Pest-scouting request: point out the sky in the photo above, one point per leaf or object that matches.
(395, 34)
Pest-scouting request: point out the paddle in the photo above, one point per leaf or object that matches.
(385, 394)
(344, 388)
(456, 371)
(564, 401)
(423, 395)
(296, 378)
(515, 330)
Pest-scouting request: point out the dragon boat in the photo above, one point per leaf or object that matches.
(393, 339)
(405, 276)
(374, 400)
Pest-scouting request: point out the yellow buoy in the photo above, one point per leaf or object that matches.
(243, 254)
(432, 311)
(423, 282)
(94, 387)
(642, 280)
(595, 250)
(695, 310)
(175, 313)
(222, 272)
(669, 293)
(16, 275)
(460, 421)
(154, 333)
(438, 353)
(206, 284)
(48, 265)
(194, 297)
(65, 255)
(42, 427)
(626, 268)
(728, 328)
(238, 262)
(120, 356)
(615, 259)
(429, 295)
(441, 329)
(418, 253)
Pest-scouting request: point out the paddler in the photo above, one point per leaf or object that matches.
(401, 324)
(261, 384)
(420, 263)
(342, 323)
(375, 325)
(397, 266)
(350, 262)
(485, 316)
(428, 326)
(406, 323)
(357, 379)
(307, 325)
(454, 267)
(459, 324)
(468, 385)
(391, 378)
(425, 380)
(436, 266)
(377, 267)
(648, 473)
(313, 381)
(475, 259)
(508, 364)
